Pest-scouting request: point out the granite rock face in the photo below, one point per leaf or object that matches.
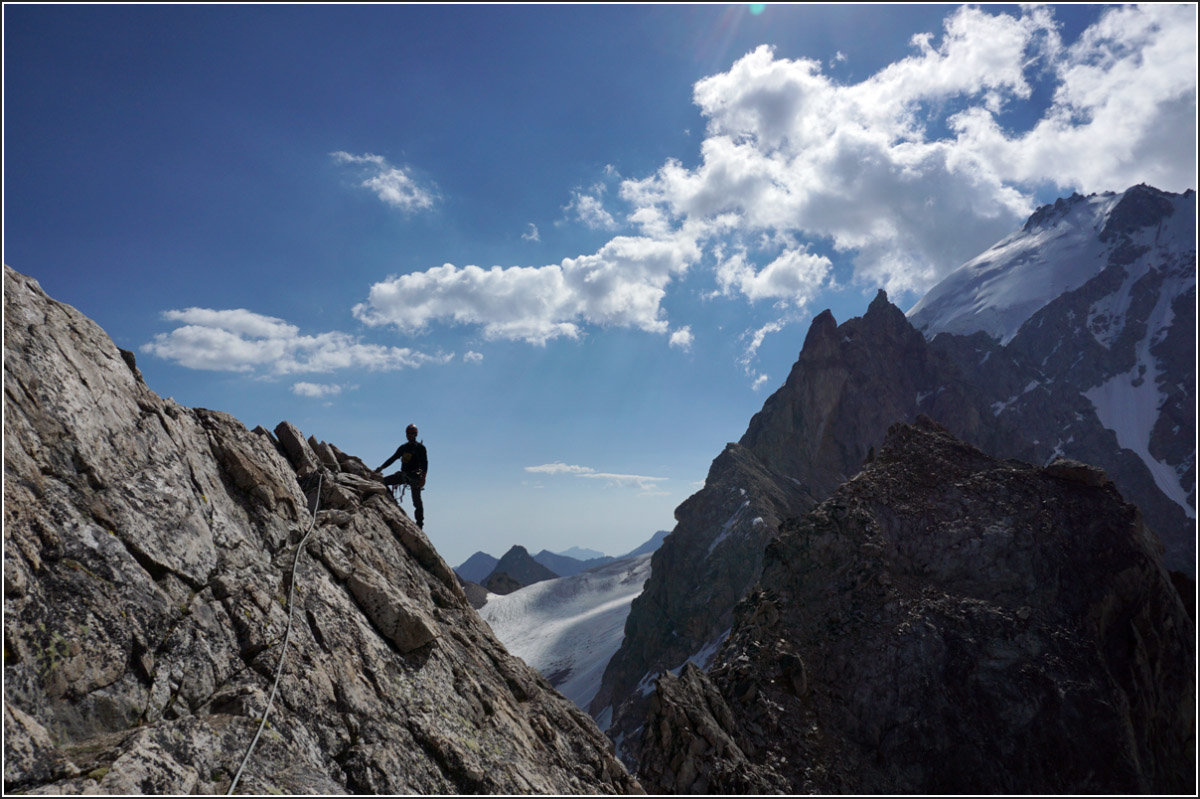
(148, 552)
(946, 622)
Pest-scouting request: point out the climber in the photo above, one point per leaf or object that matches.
(414, 464)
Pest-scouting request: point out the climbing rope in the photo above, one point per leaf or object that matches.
(286, 637)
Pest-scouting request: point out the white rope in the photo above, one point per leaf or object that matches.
(286, 637)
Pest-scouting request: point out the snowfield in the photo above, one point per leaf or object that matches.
(1004, 286)
(569, 628)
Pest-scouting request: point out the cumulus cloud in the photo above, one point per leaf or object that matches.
(900, 177)
(793, 277)
(392, 184)
(908, 190)
(622, 284)
(1122, 113)
(682, 338)
(620, 480)
(243, 341)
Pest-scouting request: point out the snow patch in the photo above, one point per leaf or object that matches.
(704, 657)
(1129, 405)
(730, 523)
(1000, 407)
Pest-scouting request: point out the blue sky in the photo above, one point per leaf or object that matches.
(577, 246)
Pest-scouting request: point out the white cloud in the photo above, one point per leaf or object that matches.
(473, 357)
(391, 184)
(622, 284)
(910, 172)
(620, 480)
(559, 467)
(316, 390)
(242, 341)
(682, 338)
(795, 276)
(589, 209)
(1124, 112)
(756, 340)
(902, 176)
(532, 234)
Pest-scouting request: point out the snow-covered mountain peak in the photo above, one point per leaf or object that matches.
(1060, 247)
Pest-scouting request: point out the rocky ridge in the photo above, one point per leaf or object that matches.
(1025, 399)
(850, 383)
(946, 622)
(1104, 372)
(148, 549)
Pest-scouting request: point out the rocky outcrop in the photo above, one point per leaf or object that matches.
(849, 384)
(148, 553)
(946, 622)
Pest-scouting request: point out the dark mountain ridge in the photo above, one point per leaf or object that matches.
(945, 623)
(1028, 399)
(476, 568)
(516, 569)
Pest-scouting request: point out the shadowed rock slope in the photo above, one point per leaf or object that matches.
(945, 622)
(147, 553)
(849, 384)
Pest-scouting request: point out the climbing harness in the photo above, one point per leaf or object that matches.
(286, 637)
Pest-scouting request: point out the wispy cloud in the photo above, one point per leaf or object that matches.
(243, 341)
(589, 209)
(559, 468)
(393, 185)
(531, 234)
(646, 484)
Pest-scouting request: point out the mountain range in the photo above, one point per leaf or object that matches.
(953, 553)
(1102, 372)
(480, 567)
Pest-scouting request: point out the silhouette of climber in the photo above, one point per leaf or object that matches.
(414, 464)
